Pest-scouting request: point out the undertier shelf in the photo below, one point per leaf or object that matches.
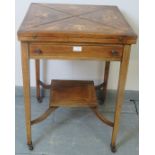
(72, 93)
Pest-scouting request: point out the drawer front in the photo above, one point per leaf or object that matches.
(59, 51)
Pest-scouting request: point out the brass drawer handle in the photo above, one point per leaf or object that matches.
(114, 53)
(38, 51)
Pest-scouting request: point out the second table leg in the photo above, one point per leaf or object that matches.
(120, 94)
(106, 76)
(38, 91)
(26, 89)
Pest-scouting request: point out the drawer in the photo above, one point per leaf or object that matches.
(65, 51)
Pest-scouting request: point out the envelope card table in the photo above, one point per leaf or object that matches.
(74, 32)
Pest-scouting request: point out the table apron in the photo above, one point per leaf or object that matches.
(75, 51)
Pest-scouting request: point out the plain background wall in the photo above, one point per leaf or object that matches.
(86, 70)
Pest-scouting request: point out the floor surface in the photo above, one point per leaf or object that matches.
(77, 131)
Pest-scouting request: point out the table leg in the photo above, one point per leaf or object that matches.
(106, 76)
(37, 66)
(26, 89)
(120, 94)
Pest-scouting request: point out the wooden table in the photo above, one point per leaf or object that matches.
(92, 32)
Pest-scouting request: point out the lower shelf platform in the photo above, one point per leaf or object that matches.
(72, 93)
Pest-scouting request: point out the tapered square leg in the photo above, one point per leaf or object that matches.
(26, 89)
(106, 76)
(102, 88)
(38, 91)
(120, 94)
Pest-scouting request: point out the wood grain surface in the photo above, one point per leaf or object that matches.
(66, 51)
(72, 93)
(89, 22)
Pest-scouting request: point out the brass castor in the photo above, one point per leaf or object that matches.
(40, 99)
(30, 146)
(113, 148)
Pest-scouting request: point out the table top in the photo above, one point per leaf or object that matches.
(68, 22)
